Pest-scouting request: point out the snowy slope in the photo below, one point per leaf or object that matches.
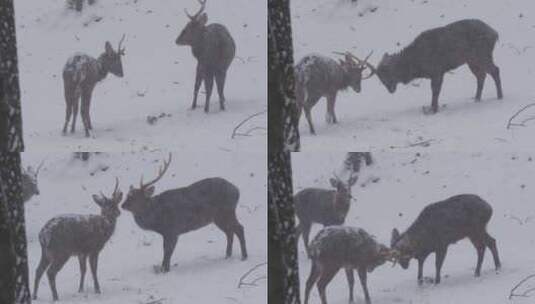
(378, 120)
(199, 271)
(158, 77)
(407, 183)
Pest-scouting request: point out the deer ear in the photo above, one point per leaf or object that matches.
(97, 199)
(109, 48)
(149, 191)
(203, 19)
(394, 238)
(333, 182)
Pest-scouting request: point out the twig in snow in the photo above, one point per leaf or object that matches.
(526, 293)
(235, 131)
(242, 281)
(423, 143)
(159, 301)
(510, 122)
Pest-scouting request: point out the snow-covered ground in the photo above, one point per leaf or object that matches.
(199, 272)
(158, 77)
(375, 119)
(407, 183)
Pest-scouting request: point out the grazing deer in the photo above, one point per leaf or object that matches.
(345, 247)
(178, 211)
(214, 48)
(437, 51)
(317, 76)
(441, 224)
(79, 4)
(77, 235)
(29, 182)
(326, 207)
(80, 76)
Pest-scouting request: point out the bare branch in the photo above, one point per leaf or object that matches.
(253, 282)
(235, 133)
(524, 294)
(510, 122)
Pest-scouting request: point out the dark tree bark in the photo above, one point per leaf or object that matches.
(283, 120)
(10, 112)
(14, 274)
(283, 279)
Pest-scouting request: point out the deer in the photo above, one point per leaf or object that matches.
(322, 206)
(181, 210)
(444, 223)
(318, 76)
(29, 182)
(214, 48)
(81, 235)
(79, 4)
(81, 73)
(437, 51)
(351, 248)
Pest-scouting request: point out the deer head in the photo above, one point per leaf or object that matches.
(112, 59)
(386, 71)
(29, 180)
(353, 67)
(195, 27)
(139, 199)
(402, 247)
(342, 196)
(109, 206)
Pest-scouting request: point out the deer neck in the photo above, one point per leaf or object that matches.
(344, 79)
(198, 45)
(404, 66)
(102, 68)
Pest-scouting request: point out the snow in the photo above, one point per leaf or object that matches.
(199, 271)
(407, 183)
(375, 119)
(159, 76)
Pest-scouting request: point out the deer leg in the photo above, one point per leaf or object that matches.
(306, 235)
(350, 282)
(480, 248)
(491, 243)
(440, 255)
(421, 262)
(331, 116)
(312, 278)
(238, 230)
(208, 86)
(93, 263)
(327, 274)
(309, 119)
(480, 76)
(69, 100)
(436, 86)
(43, 264)
(169, 243)
(82, 259)
(220, 82)
(55, 266)
(198, 80)
(494, 71)
(363, 276)
(74, 105)
(86, 100)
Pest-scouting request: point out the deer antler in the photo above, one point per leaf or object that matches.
(116, 187)
(203, 6)
(39, 168)
(366, 63)
(161, 172)
(119, 50)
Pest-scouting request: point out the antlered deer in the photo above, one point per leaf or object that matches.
(80, 76)
(30, 183)
(437, 51)
(178, 211)
(214, 48)
(317, 76)
(441, 224)
(345, 247)
(79, 235)
(326, 207)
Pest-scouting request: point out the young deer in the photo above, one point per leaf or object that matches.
(29, 182)
(77, 235)
(442, 224)
(178, 211)
(214, 48)
(350, 248)
(326, 207)
(79, 4)
(80, 76)
(317, 76)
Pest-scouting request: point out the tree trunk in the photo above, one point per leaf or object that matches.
(283, 120)
(283, 279)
